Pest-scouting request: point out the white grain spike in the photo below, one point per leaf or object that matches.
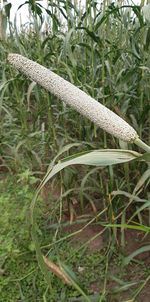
(76, 98)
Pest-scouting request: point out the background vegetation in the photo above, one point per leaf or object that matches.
(104, 49)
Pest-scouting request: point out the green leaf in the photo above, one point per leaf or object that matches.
(143, 207)
(93, 158)
(142, 180)
(146, 157)
(128, 195)
(136, 253)
(30, 89)
(74, 281)
(7, 9)
(140, 227)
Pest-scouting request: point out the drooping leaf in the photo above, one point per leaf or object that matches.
(94, 158)
(136, 253)
(140, 209)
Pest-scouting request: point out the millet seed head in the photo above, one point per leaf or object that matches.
(76, 98)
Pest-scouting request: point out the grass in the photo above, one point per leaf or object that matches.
(105, 52)
(20, 275)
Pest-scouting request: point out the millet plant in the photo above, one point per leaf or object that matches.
(103, 50)
(101, 116)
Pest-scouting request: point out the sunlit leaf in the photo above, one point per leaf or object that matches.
(94, 158)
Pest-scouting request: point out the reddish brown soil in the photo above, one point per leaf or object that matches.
(87, 235)
(134, 240)
(96, 240)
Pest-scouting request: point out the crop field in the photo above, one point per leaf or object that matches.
(75, 176)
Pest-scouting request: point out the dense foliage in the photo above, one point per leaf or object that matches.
(104, 49)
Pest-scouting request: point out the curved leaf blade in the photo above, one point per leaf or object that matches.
(93, 158)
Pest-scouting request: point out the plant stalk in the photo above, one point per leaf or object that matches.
(142, 145)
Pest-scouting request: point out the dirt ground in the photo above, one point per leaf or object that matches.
(97, 240)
